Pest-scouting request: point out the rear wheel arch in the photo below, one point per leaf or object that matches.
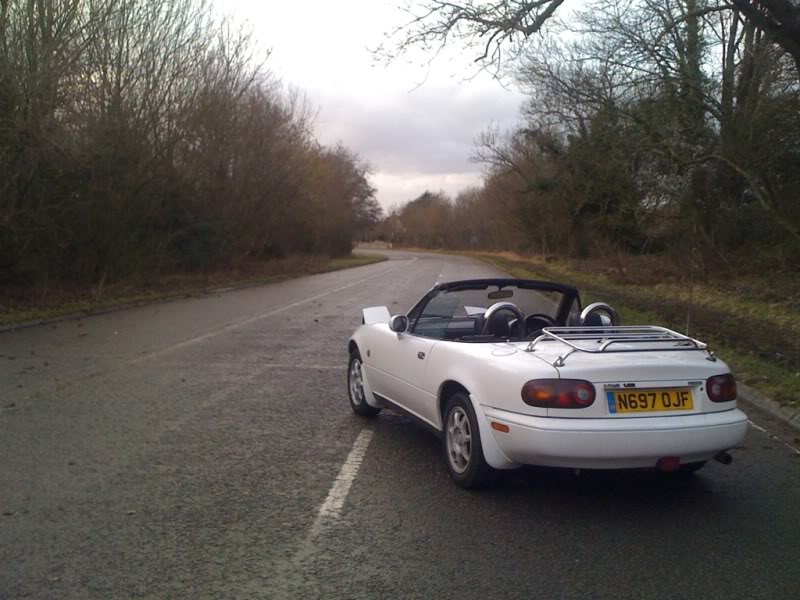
(494, 455)
(462, 441)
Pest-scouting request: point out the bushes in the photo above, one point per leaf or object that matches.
(140, 136)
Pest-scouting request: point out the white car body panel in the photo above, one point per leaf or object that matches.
(616, 443)
(410, 371)
(395, 371)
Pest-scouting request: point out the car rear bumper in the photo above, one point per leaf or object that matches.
(615, 443)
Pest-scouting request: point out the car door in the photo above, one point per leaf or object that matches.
(396, 364)
(408, 370)
(411, 379)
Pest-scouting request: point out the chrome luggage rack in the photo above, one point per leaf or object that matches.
(606, 337)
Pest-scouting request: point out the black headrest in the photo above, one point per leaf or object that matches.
(593, 320)
(479, 321)
(498, 325)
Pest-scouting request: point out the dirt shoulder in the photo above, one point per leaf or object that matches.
(19, 307)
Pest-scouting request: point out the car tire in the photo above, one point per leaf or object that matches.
(461, 445)
(355, 388)
(693, 467)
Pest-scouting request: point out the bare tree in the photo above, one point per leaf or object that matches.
(498, 31)
(778, 19)
(489, 28)
(649, 124)
(142, 135)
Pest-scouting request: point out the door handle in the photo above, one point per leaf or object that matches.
(421, 355)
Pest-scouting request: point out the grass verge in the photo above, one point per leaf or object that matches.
(25, 305)
(746, 335)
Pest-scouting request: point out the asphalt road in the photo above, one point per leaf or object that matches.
(205, 449)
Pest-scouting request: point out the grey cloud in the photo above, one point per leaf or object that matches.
(428, 131)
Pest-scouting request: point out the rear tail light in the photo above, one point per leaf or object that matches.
(721, 388)
(558, 393)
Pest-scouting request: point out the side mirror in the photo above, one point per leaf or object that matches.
(599, 314)
(398, 323)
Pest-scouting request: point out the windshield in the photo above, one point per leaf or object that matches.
(460, 314)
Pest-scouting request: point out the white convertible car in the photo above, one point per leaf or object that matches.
(513, 372)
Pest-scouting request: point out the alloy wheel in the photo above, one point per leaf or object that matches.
(459, 440)
(356, 382)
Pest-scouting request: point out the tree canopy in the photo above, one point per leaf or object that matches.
(142, 135)
(652, 126)
(498, 31)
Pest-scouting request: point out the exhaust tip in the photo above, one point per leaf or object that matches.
(723, 457)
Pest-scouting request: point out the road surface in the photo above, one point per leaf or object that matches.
(205, 449)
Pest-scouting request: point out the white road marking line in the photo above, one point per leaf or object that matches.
(331, 509)
(251, 320)
(773, 436)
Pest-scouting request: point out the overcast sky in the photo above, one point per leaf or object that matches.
(416, 139)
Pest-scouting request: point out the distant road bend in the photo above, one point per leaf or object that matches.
(205, 448)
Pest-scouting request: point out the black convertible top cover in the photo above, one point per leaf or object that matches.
(529, 284)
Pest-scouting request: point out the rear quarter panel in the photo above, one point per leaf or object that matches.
(492, 373)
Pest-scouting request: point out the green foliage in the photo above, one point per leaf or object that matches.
(194, 242)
